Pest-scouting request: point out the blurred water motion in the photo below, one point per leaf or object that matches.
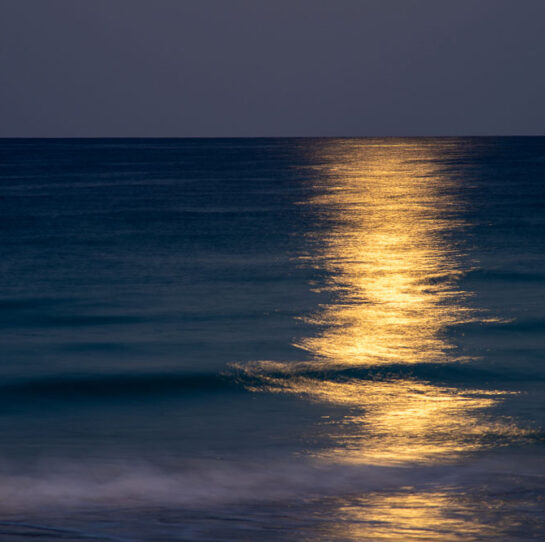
(391, 253)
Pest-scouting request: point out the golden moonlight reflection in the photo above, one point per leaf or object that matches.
(407, 515)
(389, 248)
(389, 259)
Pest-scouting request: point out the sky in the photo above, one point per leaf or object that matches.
(230, 68)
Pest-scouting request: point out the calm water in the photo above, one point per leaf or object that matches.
(299, 339)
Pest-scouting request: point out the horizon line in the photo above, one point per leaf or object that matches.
(277, 137)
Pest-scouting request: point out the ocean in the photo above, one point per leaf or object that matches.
(322, 339)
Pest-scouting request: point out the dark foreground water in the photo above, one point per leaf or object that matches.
(300, 339)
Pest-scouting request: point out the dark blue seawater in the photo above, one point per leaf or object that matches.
(272, 339)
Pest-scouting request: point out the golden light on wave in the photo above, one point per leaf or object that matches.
(401, 421)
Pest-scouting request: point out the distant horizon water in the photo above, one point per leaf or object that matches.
(193, 137)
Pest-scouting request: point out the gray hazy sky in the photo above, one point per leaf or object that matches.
(271, 68)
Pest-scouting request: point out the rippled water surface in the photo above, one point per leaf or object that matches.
(272, 339)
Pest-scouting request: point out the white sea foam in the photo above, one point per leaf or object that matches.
(66, 484)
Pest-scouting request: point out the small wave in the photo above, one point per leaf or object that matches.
(455, 373)
(240, 377)
(30, 303)
(114, 386)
